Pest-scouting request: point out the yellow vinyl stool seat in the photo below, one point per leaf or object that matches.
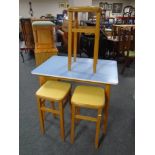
(53, 91)
(87, 97)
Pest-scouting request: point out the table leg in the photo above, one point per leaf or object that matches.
(107, 96)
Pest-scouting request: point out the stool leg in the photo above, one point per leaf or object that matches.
(70, 18)
(61, 109)
(70, 95)
(40, 116)
(96, 44)
(53, 107)
(75, 35)
(43, 105)
(72, 124)
(98, 127)
(78, 110)
(78, 113)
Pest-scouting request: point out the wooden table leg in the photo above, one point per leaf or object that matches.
(42, 80)
(105, 119)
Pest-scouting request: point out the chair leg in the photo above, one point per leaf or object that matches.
(98, 127)
(41, 116)
(21, 53)
(53, 107)
(124, 66)
(72, 124)
(61, 109)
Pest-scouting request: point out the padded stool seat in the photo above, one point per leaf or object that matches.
(54, 90)
(88, 96)
(43, 23)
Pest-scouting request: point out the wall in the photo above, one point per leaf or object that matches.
(40, 7)
(80, 2)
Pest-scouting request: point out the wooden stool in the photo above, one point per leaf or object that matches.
(74, 28)
(53, 91)
(87, 97)
(44, 40)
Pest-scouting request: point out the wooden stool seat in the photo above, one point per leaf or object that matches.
(53, 91)
(42, 23)
(84, 9)
(88, 96)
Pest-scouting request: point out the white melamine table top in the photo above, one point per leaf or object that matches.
(82, 70)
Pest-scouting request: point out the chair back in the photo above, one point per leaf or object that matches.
(27, 32)
(43, 32)
(126, 38)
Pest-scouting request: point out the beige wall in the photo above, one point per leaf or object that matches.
(40, 7)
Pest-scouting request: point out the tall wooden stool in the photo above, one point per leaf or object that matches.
(44, 40)
(73, 29)
(87, 97)
(53, 91)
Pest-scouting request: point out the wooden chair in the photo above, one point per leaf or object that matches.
(74, 29)
(53, 91)
(45, 47)
(115, 40)
(127, 45)
(128, 11)
(87, 97)
(112, 43)
(27, 32)
(28, 41)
